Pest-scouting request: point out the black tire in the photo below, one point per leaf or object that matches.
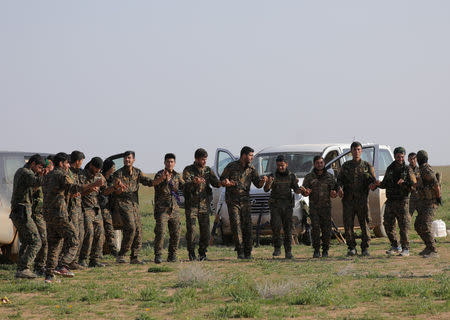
(227, 239)
(306, 236)
(11, 251)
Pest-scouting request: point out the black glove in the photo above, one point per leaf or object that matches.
(439, 201)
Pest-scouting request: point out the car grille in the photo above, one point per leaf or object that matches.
(260, 204)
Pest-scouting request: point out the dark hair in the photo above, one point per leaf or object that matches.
(169, 156)
(280, 158)
(246, 150)
(317, 158)
(412, 154)
(200, 153)
(60, 157)
(76, 155)
(127, 153)
(107, 164)
(37, 159)
(355, 144)
(96, 162)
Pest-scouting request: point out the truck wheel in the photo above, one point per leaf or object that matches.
(379, 230)
(306, 236)
(226, 239)
(11, 251)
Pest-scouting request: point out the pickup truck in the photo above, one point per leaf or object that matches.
(300, 161)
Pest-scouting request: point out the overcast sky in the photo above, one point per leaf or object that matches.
(172, 76)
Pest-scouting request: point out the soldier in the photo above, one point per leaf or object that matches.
(398, 181)
(413, 198)
(39, 220)
(197, 194)
(320, 185)
(429, 195)
(56, 187)
(281, 205)
(106, 203)
(166, 208)
(25, 180)
(75, 210)
(126, 181)
(237, 177)
(94, 236)
(354, 179)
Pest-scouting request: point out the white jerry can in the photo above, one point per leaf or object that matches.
(438, 229)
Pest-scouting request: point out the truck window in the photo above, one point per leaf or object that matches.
(384, 160)
(367, 155)
(299, 163)
(222, 160)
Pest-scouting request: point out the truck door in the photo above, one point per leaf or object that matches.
(221, 159)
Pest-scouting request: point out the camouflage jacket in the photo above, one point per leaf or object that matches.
(394, 172)
(281, 186)
(355, 178)
(166, 193)
(24, 182)
(129, 198)
(243, 176)
(74, 203)
(38, 201)
(198, 194)
(426, 182)
(414, 194)
(321, 186)
(90, 200)
(57, 185)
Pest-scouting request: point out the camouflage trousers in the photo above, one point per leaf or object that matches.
(170, 218)
(397, 210)
(94, 236)
(41, 257)
(132, 233)
(193, 214)
(320, 222)
(59, 230)
(30, 241)
(423, 223)
(351, 209)
(413, 204)
(110, 235)
(76, 220)
(241, 225)
(281, 218)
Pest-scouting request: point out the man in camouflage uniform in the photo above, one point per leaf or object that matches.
(320, 185)
(413, 198)
(166, 208)
(429, 194)
(398, 181)
(126, 181)
(93, 221)
(25, 180)
(76, 214)
(197, 194)
(281, 205)
(354, 179)
(106, 203)
(57, 185)
(39, 220)
(237, 177)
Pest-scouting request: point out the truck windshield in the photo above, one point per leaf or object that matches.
(299, 163)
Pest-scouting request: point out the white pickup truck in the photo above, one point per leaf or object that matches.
(300, 160)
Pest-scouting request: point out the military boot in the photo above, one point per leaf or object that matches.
(351, 252)
(172, 257)
(365, 252)
(25, 274)
(158, 258)
(316, 253)
(325, 253)
(288, 255)
(276, 252)
(192, 256)
(202, 255)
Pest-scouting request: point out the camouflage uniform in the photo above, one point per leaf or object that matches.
(320, 206)
(414, 198)
(76, 215)
(427, 205)
(281, 204)
(198, 204)
(106, 203)
(397, 202)
(166, 213)
(127, 204)
(94, 236)
(57, 185)
(38, 217)
(21, 208)
(355, 178)
(238, 201)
